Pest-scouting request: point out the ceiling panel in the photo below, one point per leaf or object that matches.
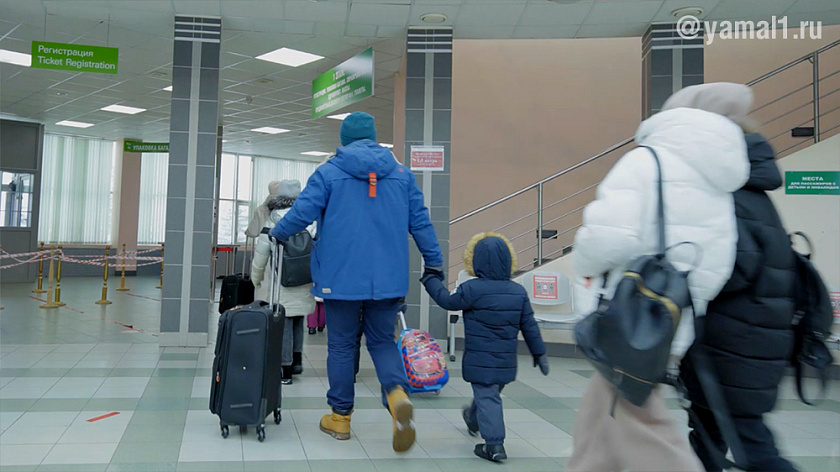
(544, 14)
(622, 12)
(748, 9)
(491, 14)
(198, 7)
(665, 12)
(316, 11)
(379, 14)
(625, 30)
(255, 8)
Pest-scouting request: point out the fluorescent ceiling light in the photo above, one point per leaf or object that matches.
(339, 117)
(123, 109)
(224, 140)
(290, 57)
(389, 146)
(17, 58)
(270, 130)
(168, 89)
(74, 124)
(315, 153)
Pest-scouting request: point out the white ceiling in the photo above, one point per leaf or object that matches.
(256, 93)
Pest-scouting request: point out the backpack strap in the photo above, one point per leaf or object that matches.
(660, 210)
(710, 386)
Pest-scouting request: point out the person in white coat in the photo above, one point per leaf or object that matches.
(703, 158)
(298, 301)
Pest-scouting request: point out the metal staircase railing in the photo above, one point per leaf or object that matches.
(816, 102)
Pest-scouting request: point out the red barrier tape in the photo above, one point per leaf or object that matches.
(115, 413)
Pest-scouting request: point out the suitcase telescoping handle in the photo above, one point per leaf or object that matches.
(401, 314)
(273, 297)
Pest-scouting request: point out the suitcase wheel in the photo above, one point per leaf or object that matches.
(261, 433)
(437, 393)
(243, 430)
(277, 417)
(225, 431)
(452, 358)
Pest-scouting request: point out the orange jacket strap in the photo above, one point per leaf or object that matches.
(372, 186)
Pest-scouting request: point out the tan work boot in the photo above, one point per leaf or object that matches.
(337, 426)
(402, 411)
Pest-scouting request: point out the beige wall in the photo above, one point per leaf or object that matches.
(524, 109)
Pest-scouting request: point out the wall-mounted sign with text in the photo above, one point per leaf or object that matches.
(74, 57)
(427, 158)
(349, 82)
(137, 146)
(545, 287)
(812, 183)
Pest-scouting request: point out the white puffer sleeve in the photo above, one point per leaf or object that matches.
(613, 225)
(262, 252)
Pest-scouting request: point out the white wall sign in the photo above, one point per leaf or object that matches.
(427, 158)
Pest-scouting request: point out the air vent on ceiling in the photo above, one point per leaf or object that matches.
(264, 80)
(157, 73)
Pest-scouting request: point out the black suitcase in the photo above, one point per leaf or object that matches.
(237, 289)
(246, 370)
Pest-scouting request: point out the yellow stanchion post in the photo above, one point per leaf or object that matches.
(58, 281)
(50, 303)
(122, 279)
(40, 288)
(161, 266)
(104, 300)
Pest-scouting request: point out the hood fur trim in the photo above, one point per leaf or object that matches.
(469, 251)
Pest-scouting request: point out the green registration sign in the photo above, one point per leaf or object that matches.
(348, 83)
(812, 183)
(74, 57)
(137, 146)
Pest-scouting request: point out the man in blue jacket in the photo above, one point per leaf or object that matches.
(366, 204)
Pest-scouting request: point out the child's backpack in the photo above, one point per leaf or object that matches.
(423, 360)
(812, 322)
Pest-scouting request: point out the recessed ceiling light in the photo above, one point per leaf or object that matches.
(433, 18)
(224, 140)
(687, 11)
(270, 130)
(389, 146)
(123, 109)
(339, 117)
(168, 89)
(17, 58)
(74, 124)
(315, 153)
(290, 57)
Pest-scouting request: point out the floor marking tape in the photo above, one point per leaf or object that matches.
(114, 413)
(131, 327)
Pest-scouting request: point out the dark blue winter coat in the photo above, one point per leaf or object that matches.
(495, 310)
(361, 248)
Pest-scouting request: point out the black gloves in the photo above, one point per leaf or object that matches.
(542, 362)
(431, 273)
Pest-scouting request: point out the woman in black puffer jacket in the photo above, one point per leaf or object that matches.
(747, 333)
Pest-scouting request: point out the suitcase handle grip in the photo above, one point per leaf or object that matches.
(401, 314)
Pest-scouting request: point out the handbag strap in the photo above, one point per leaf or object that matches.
(660, 202)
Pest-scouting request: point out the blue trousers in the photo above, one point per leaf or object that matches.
(346, 319)
(486, 410)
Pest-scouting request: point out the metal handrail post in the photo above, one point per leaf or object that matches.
(539, 224)
(816, 60)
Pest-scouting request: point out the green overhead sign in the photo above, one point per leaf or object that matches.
(348, 83)
(812, 183)
(74, 57)
(137, 146)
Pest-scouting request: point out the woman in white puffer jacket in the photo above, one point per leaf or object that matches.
(704, 159)
(298, 301)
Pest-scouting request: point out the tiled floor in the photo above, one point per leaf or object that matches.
(61, 368)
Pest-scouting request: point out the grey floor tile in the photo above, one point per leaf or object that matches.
(115, 404)
(16, 404)
(176, 356)
(174, 372)
(163, 404)
(142, 466)
(132, 372)
(277, 466)
(59, 404)
(153, 433)
(147, 452)
(211, 467)
(345, 465)
(413, 465)
(72, 468)
(89, 372)
(19, 468)
(159, 418)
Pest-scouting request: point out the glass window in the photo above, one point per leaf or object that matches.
(15, 200)
(227, 179)
(226, 223)
(243, 184)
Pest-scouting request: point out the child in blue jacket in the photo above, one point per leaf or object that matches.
(495, 310)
